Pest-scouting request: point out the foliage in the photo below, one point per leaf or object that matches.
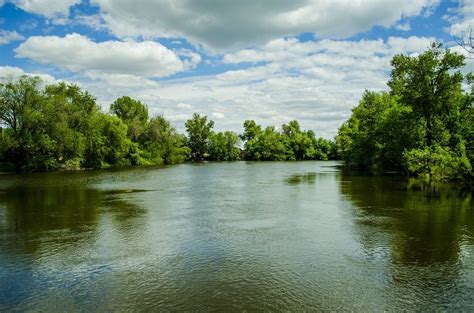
(423, 126)
(163, 143)
(133, 113)
(290, 144)
(61, 127)
(199, 129)
(223, 146)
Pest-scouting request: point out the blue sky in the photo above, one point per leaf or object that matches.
(271, 60)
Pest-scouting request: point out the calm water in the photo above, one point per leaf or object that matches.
(232, 237)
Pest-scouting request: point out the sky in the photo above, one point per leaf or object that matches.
(271, 60)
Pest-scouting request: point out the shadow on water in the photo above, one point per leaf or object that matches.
(423, 230)
(57, 223)
(307, 178)
(67, 212)
(429, 226)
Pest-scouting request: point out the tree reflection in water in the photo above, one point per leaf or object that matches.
(422, 231)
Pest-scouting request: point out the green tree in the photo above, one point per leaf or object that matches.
(107, 143)
(26, 144)
(266, 146)
(374, 137)
(300, 145)
(69, 111)
(431, 85)
(199, 129)
(325, 150)
(223, 146)
(162, 143)
(421, 127)
(133, 113)
(251, 130)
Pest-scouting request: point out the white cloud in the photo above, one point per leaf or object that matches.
(121, 80)
(356, 53)
(403, 27)
(94, 21)
(8, 73)
(316, 83)
(226, 24)
(47, 8)
(190, 59)
(7, 36)
(412, 44)
(218, 115)
(78, 53)
(184, 106)
(463, 19)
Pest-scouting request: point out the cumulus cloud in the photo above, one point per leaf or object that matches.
(403, 27)
(218, 115)
(77, 53)
(121, 80)
(462, 19)
(184, 106)
(356, 53)
(47, 8)
(7, 36)
(229, 24)
(94, 21)
(9, 73)
(316, 83)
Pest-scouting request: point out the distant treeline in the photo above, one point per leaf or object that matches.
(423, 126)
(62, 127)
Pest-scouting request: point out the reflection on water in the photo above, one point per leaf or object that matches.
(32, 209)
(307, 178)
(233, 236)
(426, 234)
(425, 227)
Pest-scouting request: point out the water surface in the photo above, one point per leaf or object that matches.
(233, 237)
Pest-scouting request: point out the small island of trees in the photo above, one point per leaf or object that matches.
(422, 126)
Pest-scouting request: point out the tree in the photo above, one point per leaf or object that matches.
(223, 146)
(374, 137)
(26, 144)
(422, 127)
(61, 126)
(107, 143)
(466, 41)
(69, 112)
(300, 145)
(266, 146)
(199, 130)
(430, 84)
(251, 130)
(162, 143)
(133, 113)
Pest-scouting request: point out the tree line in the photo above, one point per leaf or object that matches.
(61, 126)
(422, 126)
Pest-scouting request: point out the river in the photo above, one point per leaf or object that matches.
(298, 236)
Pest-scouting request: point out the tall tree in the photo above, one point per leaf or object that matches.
(223, 146)
(199, 130)
(431, 85)
(422, 127)
(133, 113)
(25, 143)
(162, 143)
